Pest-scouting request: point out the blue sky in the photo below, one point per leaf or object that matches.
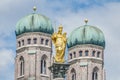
(105, 14)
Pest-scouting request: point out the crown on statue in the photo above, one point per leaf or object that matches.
(60, 27)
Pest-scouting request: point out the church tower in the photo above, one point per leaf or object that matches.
(34, 47)
(86, 46)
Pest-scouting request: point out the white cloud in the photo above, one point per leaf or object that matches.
(4, 44)
(6, 58)
(7, 64)
(7, 4)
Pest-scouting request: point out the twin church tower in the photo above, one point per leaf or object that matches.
(85, 44)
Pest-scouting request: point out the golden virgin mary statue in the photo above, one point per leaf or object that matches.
(59, 41)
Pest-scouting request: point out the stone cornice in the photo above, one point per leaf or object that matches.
(21, 49)
(94, 60)
(33, 33)
(42, 48)
(86, 45)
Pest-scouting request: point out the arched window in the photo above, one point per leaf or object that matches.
(22, 42)
(80, 53)
(19, 43)
(70, 55)
(95, 74)
(29, 41)
(74, 54)
(46, 42)
(21, 66)
(86, 53)
(43, 64)
(73, 74)
(35, 40)
(42, 40)
(98, 54)
(93, 53)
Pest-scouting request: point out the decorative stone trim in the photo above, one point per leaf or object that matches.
(21, 49)
(95, 60)
(44, 75)
(43, 48)
(33, 33)
(20, 77)
(86, 46)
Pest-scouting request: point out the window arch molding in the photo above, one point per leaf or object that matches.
(95, 73)
(73, 74)
(21, 65)
(43, 64)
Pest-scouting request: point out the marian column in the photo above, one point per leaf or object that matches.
(58, 67)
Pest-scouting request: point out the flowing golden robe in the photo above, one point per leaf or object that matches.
(59, 41)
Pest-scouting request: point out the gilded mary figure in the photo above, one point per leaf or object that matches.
(59, 41)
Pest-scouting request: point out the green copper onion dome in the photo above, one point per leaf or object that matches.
(34, 23)
(86, 34)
